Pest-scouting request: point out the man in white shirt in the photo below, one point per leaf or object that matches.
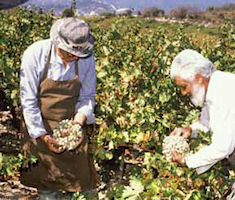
(62, 68)
(215, 91)
(58, 81)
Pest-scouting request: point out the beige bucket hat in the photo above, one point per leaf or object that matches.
(72, 35)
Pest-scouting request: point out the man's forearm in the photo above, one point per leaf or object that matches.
(34, 123)
(206, 156)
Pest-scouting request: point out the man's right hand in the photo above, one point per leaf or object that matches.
(52, 144)
(183, 132)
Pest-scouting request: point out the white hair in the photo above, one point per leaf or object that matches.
(188, 63)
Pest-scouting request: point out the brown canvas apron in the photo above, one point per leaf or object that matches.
(69, 171)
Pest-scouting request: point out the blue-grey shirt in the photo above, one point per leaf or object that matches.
(32, 68)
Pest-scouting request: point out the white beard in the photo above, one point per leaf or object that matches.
(198, 94)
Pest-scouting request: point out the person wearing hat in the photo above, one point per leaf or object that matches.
(58, 81)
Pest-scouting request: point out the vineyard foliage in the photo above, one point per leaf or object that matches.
(10, 165)
(137, 104)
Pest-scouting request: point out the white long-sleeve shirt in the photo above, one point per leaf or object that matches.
(218, 116)
(32, 68)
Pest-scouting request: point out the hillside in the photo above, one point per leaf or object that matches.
(93, 5)
(6, 4)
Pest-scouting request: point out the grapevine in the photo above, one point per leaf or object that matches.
(136, 103)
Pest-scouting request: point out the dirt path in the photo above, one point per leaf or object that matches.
(14, 190)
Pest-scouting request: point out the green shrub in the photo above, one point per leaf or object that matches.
(184, 12)
(153, 12)
(107, 14)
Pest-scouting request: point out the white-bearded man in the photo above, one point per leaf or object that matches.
(214, 90)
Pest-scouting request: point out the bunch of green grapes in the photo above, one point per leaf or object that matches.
(174, 143)
(67, 134)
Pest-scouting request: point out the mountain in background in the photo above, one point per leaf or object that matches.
(98, 6)
(83, 6)
(6, 4)
(167, 5)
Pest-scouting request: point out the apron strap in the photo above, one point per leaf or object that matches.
(47, 65)
(76, 68)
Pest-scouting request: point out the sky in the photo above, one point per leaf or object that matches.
(136, 4)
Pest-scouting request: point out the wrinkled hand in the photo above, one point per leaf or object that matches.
(184, 132)
(52, 144)
(79, 118)
(178, 158)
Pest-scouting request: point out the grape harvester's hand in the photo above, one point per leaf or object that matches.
(80, 118)
(52, 144)
(178, 158)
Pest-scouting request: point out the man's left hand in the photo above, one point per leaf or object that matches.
(80, 118)
(178, 158)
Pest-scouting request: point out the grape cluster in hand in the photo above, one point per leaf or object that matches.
(175, 143)
(67, 134)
